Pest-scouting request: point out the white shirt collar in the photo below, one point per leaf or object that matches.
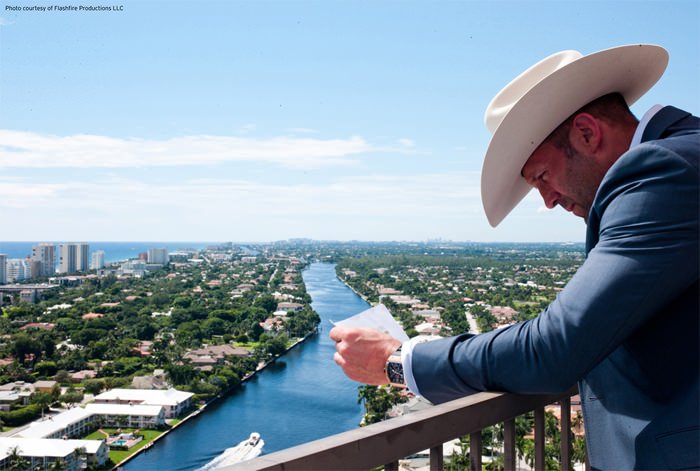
(637, 138)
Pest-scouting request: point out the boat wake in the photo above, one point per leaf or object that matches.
(245, 450)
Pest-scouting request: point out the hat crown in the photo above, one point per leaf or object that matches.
(502, 103)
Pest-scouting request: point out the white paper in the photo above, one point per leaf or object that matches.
(378, 318)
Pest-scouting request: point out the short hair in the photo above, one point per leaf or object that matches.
(611, 108)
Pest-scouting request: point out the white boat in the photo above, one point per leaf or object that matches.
(245, 450)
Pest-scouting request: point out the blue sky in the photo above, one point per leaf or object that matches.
(265, 120)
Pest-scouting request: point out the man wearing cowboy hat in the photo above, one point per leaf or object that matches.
(626, 326)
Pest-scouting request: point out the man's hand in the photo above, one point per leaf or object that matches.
(362, 353)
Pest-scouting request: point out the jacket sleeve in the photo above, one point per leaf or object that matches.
(645, 222)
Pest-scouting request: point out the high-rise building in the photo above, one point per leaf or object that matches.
(18, 269)
(34, 268)
(73, 257)
(82, 257)
(158, 256)
(66, 258)
(98, 260)
(3, 268)
(44, 255)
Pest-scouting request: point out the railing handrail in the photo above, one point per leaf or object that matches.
(393, 439)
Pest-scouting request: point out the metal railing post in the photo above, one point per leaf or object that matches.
(539, 438)
(436, 459)
(509, 445)
(565, 408)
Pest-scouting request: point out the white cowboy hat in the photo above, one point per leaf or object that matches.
(530, 107)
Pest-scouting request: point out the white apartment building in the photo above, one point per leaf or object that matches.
(18, 269)
(158, 256)
(121, 415)
(79, 421)
(173, 401)
(133, 267)
(97, 260)
(71, 423)
(44, 255)
(42, 454)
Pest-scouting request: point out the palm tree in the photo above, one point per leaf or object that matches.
(16, 461)
(58, 465)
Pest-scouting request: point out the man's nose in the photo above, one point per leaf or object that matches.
(549, 196)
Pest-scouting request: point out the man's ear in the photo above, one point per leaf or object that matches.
(585, 133)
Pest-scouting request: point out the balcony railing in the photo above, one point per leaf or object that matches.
(385, 443)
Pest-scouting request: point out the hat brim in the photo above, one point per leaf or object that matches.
(628, 70)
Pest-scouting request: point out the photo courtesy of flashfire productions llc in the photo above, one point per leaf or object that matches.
(65, 8)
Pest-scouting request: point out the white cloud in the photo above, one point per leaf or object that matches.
(32, 150)
(372, 207)
(19, 195)
(346, 207)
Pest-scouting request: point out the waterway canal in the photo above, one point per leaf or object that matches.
(301, 397)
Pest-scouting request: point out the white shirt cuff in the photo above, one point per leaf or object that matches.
(406, 362)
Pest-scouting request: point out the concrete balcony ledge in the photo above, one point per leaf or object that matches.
(388, 441)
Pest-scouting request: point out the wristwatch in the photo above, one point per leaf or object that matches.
(394, 369)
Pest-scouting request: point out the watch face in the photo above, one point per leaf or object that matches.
(394, 371)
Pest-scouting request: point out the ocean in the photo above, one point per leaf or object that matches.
(114, 251)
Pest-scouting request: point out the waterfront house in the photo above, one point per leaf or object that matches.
(174, 402)
(293, 307)
(214, 355)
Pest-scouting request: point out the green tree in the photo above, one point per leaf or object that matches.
(63, 377)
(267, 302)
(94, 386)
(181, 374)
(42, 399)
(377, 401)
(58, 465)
(213, 326)
(275, 346)
(71, 397)
(25, 348)
(16, 461)
(46, 368)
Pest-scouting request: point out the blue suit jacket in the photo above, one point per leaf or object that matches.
(625, 327)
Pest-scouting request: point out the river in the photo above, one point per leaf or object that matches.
(301, 397)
